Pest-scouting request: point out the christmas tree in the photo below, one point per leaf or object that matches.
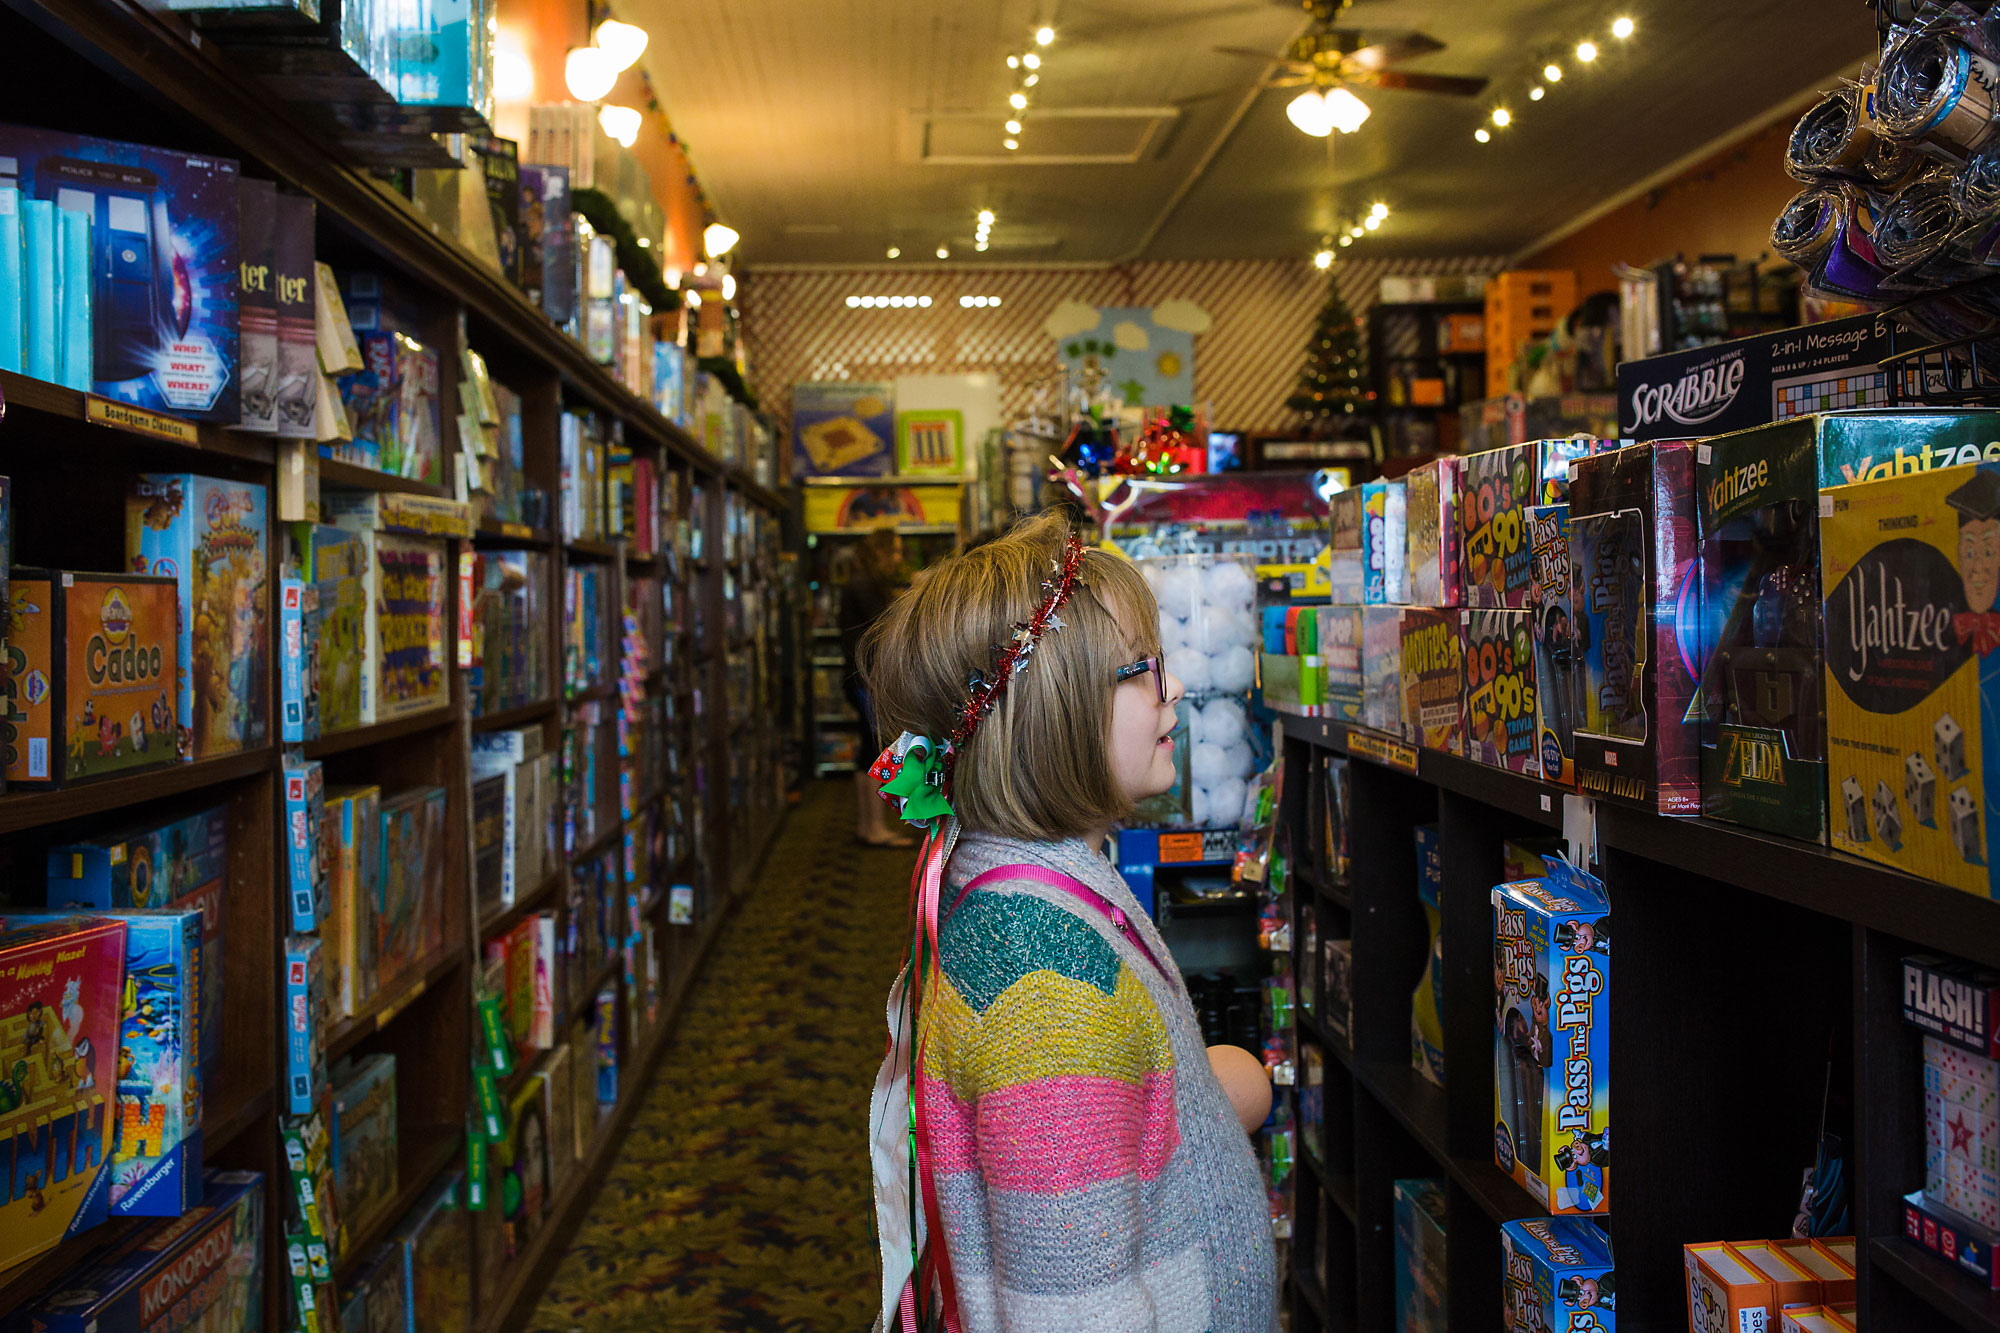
(1333, 385)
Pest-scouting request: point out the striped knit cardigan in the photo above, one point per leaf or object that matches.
(1091, 1172)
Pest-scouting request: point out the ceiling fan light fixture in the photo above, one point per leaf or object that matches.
(590, 73)
(1622, 27)
(1347, 111)
(623, 42)
(1310, 114)
(621, 123)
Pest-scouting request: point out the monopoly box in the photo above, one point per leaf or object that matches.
(60, 1013)
(1500, 688)
(1554, 624)
(1763, 747)
(1633, 586)
(1557, 1277)
(164, 240)
(1552, 1043)
(1497, 489)
(1910, 569)
(156, 1158)
(1431, 533)
(209, 537)
(180, 863)
(202, 1271)
(1433, 684)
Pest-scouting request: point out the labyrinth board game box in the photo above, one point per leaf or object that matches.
(164, 240)
(1498, 487)
(1552, 1041)
(60, 1012)
(1433, 685)
(1636, 596)
(1910, 569)
(156, 1157)
(179, 863)
(1763, 732)
(209, 537)
(203, 1271)
(1500, 687)
(1557, 1275)
(1554, 622)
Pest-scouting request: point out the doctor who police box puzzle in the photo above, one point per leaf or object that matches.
(164, 239)
(1910, 570)
(1636, 599)
(1552, 1038)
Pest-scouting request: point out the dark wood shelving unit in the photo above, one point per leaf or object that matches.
(1822, 985)
(125, 70)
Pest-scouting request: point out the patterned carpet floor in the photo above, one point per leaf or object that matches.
(740, 1199)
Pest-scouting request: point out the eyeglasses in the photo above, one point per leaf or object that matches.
(1140, 668)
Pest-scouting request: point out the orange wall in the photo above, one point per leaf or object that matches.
(1725, 205)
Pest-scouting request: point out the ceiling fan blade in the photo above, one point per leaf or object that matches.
(1290, 81)
(1449, 84)
(1409, 46)
(1248, 54)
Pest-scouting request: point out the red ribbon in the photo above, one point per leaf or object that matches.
(1982, 628)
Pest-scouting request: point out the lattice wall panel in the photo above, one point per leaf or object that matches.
(799, 327)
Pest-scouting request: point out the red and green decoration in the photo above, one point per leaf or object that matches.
(1333, 384)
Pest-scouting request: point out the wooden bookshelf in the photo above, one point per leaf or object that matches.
(118, 68)
(1698, 1034)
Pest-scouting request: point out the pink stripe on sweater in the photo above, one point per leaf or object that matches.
(1052, 1135)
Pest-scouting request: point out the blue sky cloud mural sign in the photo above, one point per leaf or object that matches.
(1144, 356)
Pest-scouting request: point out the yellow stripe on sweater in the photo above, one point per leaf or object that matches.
(1045, 1025)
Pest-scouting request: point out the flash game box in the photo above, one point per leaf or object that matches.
(1910, 570)
(1552, 1039)
(1636, 596)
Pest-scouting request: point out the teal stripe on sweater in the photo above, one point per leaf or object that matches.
(992, 940)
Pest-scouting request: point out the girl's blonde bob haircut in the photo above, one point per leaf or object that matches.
(1037, 767)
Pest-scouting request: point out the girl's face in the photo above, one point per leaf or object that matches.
(1140, 740)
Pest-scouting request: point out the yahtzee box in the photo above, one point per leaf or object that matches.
(1910, 570)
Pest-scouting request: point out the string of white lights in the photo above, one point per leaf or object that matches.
(1548, 76)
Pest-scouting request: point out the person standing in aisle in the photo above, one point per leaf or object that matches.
(877, 577)
(1080, 1159)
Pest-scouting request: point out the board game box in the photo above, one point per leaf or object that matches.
(305, 1023)
(1636, 593)
(209, 537)
(156, 1152)
(338, 570)
(1910, 569)
(351, 830)
(93, 660)
(1551, 1049)
(305, 848)
(60, 1014)
(1557, 1274)
(1763, 730)
(1500, 690)
(1431, 657)
(1384, 540)
(203, 1271)
(376, 1299)
(178, 863)
(1953, 1001)
(1497, 489)
(405, 667)
(435, 1242)
(524, 1162)
(1432, 536)
(409, 902)
(364, 1139)
(163, 235)
(1554, 622)
(1427, 999)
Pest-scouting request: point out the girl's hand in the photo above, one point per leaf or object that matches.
(1243, 1076)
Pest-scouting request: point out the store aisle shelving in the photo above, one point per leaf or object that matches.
(739, 1200)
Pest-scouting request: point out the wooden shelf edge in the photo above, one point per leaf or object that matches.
(354, 477)
(360, 738)
(1418, 1105)
(31, 1277)
(524, 904)
(32, 809)
(33, 396)
(513, 717)
(1953, 1293)
(383, 1010)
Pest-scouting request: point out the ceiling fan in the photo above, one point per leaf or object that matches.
(1329, 61)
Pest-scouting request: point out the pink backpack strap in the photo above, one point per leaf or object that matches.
(1075, 888)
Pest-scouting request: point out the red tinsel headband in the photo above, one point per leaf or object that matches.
(986, 689)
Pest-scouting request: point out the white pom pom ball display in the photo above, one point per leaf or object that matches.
(1179, 589)
(1225, 803)
(1193, 669)
(1208, 763)
(1231, 670)
(1228, 585)
(1222, 722)
(1201, 808)
(1173, 635)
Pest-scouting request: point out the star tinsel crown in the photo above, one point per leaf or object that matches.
(985, 688)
